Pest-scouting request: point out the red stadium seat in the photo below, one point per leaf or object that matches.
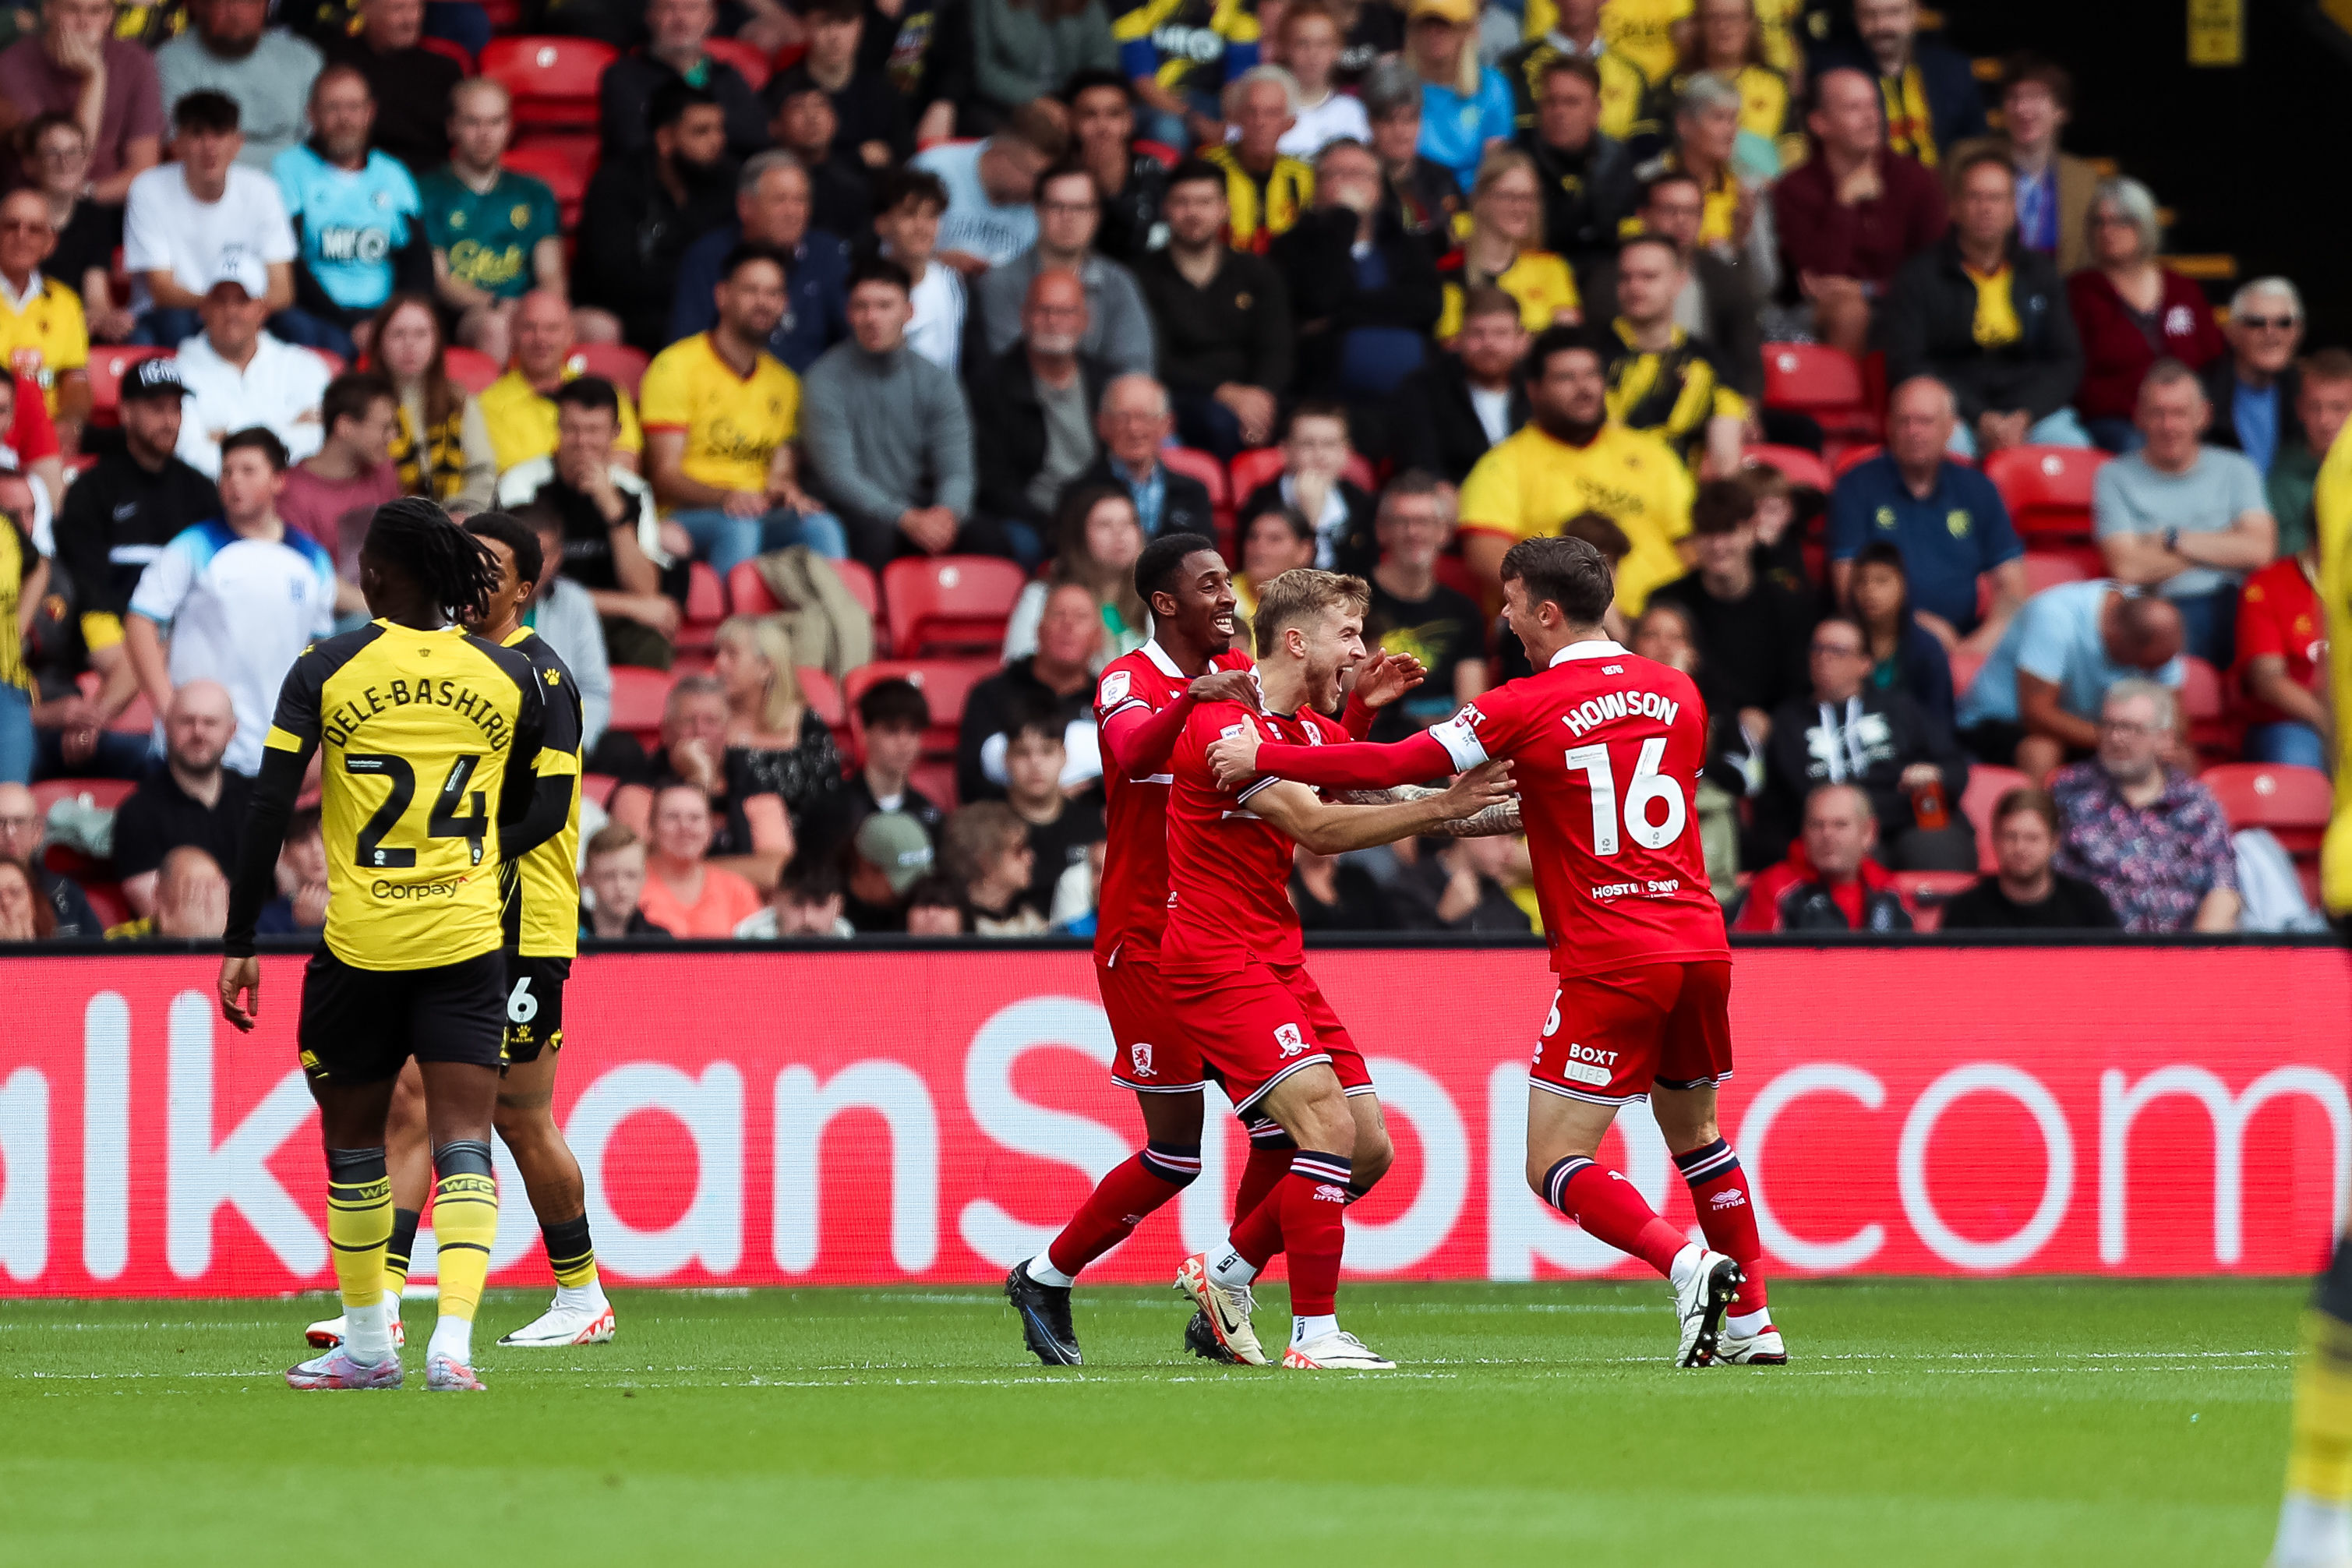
(2044, 569)
(136, 718)
(1203, 467)
(749, 61)
(449, 48)
(469, 368)
(2214, 730)
(552, 80)
(1158, 150)
(1965, 666)
(1797, 466)
(619, 364)
(559, 169)
(746, 592)
(706, 606)
(858, 578)
(939, 602)
(822, 695)
(107, 366)
(597, 787)
(105, 794)
(2046, 488)
(107, 902)
(505, 15)
(1251, 470)
(1925, 893)
(1987, 784)
(1812, 378)
(637, 698)
(937, 782)
(1854, 457)
(945, 684)
(2293, 802)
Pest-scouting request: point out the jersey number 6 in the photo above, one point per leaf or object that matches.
(443, 822)
(1647, 786)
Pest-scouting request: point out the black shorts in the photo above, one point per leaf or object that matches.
(534, 1006)
(360, 1026)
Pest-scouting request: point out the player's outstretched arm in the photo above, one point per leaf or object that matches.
(1327, 829)
(1502, 818)
(1243, 755)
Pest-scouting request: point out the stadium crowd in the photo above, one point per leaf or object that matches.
(846, 356)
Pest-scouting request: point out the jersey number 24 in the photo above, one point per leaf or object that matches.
(445, 821)
(1643, 792)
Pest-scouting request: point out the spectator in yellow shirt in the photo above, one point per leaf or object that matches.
(1570, 459)
(1507, 217)
(1266, 190)
(42, 333)
(520, 406)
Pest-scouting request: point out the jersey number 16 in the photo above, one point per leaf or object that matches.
(445, 820)
(1644, 790)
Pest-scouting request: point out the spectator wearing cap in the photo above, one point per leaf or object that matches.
(191, 799)
(1853, 214)
(749, 830)
(235, 600)
(1420, 193)
(1033, 408)
(1586, 172)
(1128, 179)
(840, 187)
(642, 210)
(1463, 401)
(1225, 340)
(43, 333)
(2027, 893)
(1829, 882)
(240, 376)
(908, 204)
(1059, 676)
(2252, 388)
(605, 516)
(267, 71)
(2132, 310)
(2151, 837)
(894, 717)
(357, 219)
(69, 62)
(1134, 423)
(808, 902)
(184, 218)
(672, 52)
(2183, 519)
(987, 855)
(410, 83)
(2054, 188)
(1661, 378)
(1946, 519)
(191, 900)
(332, 494)
(2035, 701)
(1265, 188)
(495, 233)
(518, 407)
(1751, 631)
(992, 186)
(1022, 52)
(890, 435)
(886, 856)
(1989, 319)
(685, 893)
(1362, 290)
(2323, 406)
(868, 109)
(772, 211)
(1117, 328)
(1840, 729)
(1466, 107)
(20, 846)
(611, 880)
(1928, 90)
(2282, 650)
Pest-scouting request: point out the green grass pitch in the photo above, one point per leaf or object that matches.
(2073, 1423)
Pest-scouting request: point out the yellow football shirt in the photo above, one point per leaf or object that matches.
(431, 740)
(2331, 506)
(1528, 485)
(1644, 31)
(521, 419)
(733, 424)
(542, 891)
(1996, 323)
(1542, 283)
(46, 337)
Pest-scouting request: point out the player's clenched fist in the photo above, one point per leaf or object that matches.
(1234, 756)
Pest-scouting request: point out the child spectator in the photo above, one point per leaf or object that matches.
(1063, 827)
(1313, 483)
(934, 909)
(987, 855)
(611, 880)
(894, 716)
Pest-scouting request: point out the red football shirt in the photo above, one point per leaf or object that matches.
(1134, 903)
(2279, 614)
(1606, 749)
(1228, 871)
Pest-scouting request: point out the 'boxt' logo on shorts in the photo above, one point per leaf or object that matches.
(1288, 1038)
(1141, 1056)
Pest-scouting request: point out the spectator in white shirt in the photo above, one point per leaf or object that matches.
(186, 217)
(238, 375)
(907, 207)
(233, 600)
(1311, 41)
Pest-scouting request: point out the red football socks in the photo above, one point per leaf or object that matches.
(1718, 1190)
(1313, 1199)
(1268, 1163)
(1611, 1209)
(1121, 1200)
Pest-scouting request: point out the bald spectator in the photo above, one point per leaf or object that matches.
(771, 210)
(519, 408)
(672, 52)
(2035, 702)
(1134, 424)
(991, 186)
(2253, 387)
(1835, 885)
(231, 49)
(495, 233)
(2150, 837)
(191, 799)
(2181, 518)
(20, 846)
(191, 900)
(410, 83)
(1853, 214)
(1118, 330)
(1928, 90)
(684, 894)
(1033, 415)
(73, 67)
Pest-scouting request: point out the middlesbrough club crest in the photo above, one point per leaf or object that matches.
(1140, 1055)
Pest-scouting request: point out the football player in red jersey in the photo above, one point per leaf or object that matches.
(1607, 748)
(1232, 963)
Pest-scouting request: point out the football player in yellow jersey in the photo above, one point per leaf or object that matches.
(2315, 1529)
(432, 741)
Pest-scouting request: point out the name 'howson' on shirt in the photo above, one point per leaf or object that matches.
(1611, 706)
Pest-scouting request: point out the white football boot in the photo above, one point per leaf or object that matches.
(1228, 1309)
(1338, 1350)
(1705, 1282)
(582, 1323)
(336, 1370)
(327, 1333)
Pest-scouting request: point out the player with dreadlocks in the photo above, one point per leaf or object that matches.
(430, 782)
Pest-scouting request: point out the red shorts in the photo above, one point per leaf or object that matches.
(1260, 1025)
(1612, 1037)
(1154, 1053)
